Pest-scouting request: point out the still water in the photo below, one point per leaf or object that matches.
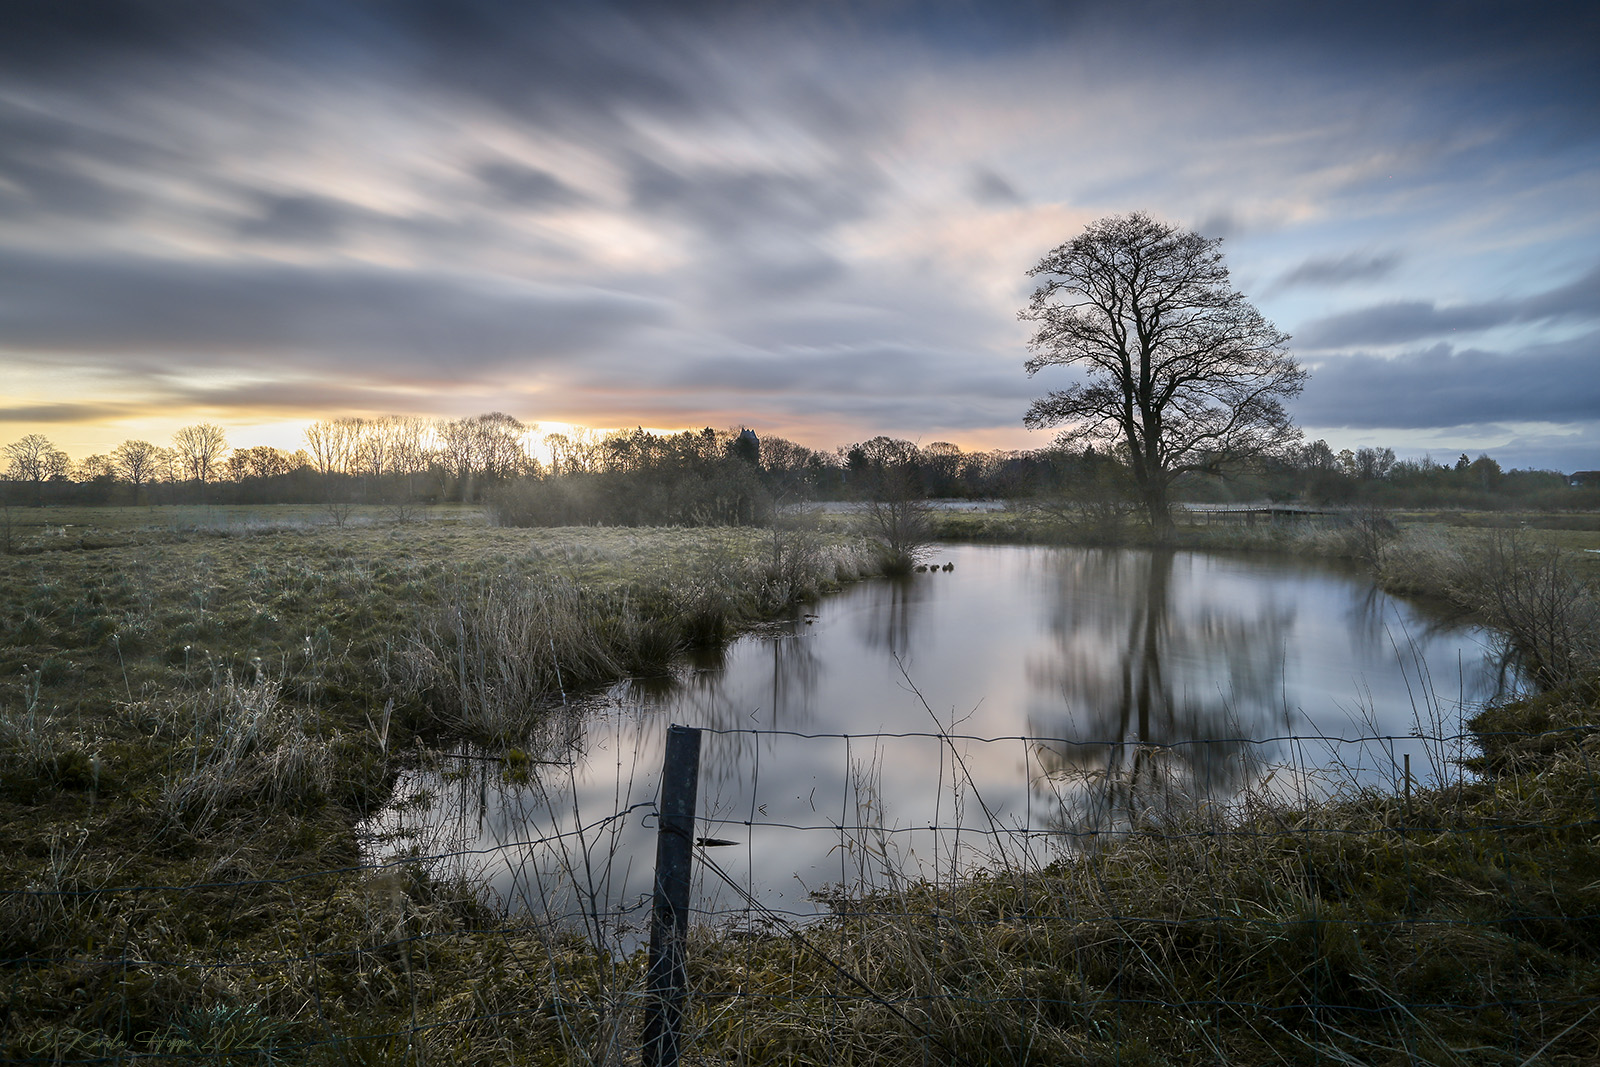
(1049, 693)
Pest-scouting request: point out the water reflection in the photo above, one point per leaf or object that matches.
(1153, 678)
(1159, 698)
(887, 624)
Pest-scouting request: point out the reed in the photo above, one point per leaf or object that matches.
(494, 655)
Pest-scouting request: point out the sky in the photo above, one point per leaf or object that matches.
(813, 219)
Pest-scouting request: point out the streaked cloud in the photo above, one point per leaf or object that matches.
(1410, 320)
(1341, 270)
(813, 215)
(363, 320)
(1442, 386)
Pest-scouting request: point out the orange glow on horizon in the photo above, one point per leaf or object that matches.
(83, 439)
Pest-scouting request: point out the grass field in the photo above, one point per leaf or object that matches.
(199, 694)
(214, 698)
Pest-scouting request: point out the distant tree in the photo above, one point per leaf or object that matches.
(941, 464)
(57, 466)
(200, 449)
(412, 445)
(1316, 456)
(1373, 464)
(136, 463)
(334, 445)
(574, 453)
(96, 477)
(482, 449)
(375, 448)
(1486, 471)
(168, 466)
(35, 460)
(97, 467)
(782, 454)
(1182, 370)
(335, 448)
(456, 452)
(872, 465)
(260, 461)
(387, 450)
(794, 472)
(500, 442)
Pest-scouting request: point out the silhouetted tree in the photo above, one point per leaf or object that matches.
(260, 462)
(136, 463)
(334, 446)
(200, 448)
(1182, 370)
(35, 460)
(482, 449)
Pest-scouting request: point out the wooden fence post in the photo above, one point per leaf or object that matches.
(669, 920)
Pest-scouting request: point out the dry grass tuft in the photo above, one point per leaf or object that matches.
(237, 745)
(1547, 607)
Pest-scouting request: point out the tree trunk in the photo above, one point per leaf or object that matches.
(1155, 502)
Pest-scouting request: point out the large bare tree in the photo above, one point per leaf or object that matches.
(1183, 373)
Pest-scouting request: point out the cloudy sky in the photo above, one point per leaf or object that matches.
(813, 219)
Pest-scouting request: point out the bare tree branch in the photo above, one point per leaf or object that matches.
(1182, 371)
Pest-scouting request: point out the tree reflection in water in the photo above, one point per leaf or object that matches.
(700, 696)
(1152, 680)
(892, 609)
(1131, 743)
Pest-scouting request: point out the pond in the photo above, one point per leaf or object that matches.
(1003, 709)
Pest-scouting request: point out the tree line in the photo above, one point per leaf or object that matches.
(693, 476)
(707, 476)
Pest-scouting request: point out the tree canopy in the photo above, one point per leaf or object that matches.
(1183, 373)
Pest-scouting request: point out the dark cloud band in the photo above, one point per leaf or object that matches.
(348, 320)
(1441, 386)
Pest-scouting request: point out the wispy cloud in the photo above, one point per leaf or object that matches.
(1341, 270)
(810, 213)
(1445, 386)
(1410, 320)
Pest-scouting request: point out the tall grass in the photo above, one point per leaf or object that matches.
(1368, 927)
(1548, 611)
(495, 654)
(239, 746)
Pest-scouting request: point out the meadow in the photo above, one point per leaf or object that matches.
(199, 706)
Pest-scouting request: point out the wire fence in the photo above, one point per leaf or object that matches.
(1228, 900)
